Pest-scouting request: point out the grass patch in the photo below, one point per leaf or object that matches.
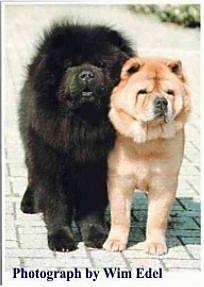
(186, 15)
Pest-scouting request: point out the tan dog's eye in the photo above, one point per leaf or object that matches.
(175, 68)
(170, 92)
(133, 69)
(142, 92)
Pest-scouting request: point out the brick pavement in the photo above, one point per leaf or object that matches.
(26, 243)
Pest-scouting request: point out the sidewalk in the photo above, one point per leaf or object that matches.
(26, 235)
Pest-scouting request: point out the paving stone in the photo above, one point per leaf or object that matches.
(102, 258)
(17, 170)
(27, 218)
(136, 235)
(19, 185)
(31, 223)
(177, 205)
(195, 250)
(175, 263)
(81, 252)
(139, 200)
(194, 181)
(190, 239)
(11, 243)
(145, 262)
(28, 229)
(63, 263)
(197, 219)
(182, 232)
(9, 207)
(181, 269)
(191, 203)
(177, 252)
(11, 263)
(183, 223)
(133, 252)
(188, 170)
(11, 233)
(29, 253)
(173, 252)
(33, 240)
(8, 187)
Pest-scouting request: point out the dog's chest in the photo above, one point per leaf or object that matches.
(141, 171)
(141, 165)
(154, 163)
(145, 162)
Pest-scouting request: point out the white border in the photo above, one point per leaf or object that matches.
(100, 2)
(171, 278)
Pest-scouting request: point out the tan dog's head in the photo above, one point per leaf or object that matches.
(152, 90)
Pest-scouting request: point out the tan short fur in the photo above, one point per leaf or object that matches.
(148, 151)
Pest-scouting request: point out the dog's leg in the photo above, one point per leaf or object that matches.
(160, 198)
(90, 217)
(120, 194)
(28, 201)
(57, 216)
(91, 200)
(92, 229)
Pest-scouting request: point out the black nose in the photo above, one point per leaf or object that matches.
(160, 104)
(86, 76)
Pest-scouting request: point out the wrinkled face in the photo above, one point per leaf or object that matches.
(90, 82)
(151, 90)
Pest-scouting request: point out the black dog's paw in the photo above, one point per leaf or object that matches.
(94, 236)
(61, 239)
(27, 203)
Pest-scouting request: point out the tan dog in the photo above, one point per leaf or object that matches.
(149, 108)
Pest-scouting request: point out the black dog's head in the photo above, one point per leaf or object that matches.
(77, 67)
(84, 85)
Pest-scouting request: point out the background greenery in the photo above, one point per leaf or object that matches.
(187, 15)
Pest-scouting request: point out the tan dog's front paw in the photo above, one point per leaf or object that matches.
(157, 248)
(114, 245)
(153, 248)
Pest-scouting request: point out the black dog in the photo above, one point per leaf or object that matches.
(65, 129)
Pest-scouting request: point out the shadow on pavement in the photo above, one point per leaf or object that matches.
(183, 226)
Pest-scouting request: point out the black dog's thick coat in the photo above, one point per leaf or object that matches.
(65, 129)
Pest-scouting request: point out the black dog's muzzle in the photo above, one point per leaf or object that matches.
(87, 78)
(84, 85)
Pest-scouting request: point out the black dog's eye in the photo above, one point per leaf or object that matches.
(101, 64)
(142, 92)
(170, 92)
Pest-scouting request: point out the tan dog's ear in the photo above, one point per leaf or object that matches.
(131, 66)
(176, 68)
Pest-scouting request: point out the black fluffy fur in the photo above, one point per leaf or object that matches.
(66, 132)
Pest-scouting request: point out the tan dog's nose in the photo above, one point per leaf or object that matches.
(161, 107)
(161, 104)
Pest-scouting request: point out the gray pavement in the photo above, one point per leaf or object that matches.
(26, 243)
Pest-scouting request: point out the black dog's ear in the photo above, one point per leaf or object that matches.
(37, 65)
(119, 41)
